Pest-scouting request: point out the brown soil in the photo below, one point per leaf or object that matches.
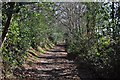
(54, 65)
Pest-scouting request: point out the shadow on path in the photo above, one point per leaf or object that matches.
(54, 65)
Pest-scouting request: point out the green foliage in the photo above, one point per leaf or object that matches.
(30, 27)
(98, 46)
(91, 33)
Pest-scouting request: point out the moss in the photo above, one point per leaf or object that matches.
(40, 49)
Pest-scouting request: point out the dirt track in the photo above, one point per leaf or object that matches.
(54, 65)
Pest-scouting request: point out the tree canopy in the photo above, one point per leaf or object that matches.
(91, 32)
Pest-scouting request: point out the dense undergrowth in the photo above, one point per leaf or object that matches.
(102, 57)
(91, 32)
(30, 34)
(101, 49)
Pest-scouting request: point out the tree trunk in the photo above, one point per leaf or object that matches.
(4, 32)
(9, 16)
(113, 17)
